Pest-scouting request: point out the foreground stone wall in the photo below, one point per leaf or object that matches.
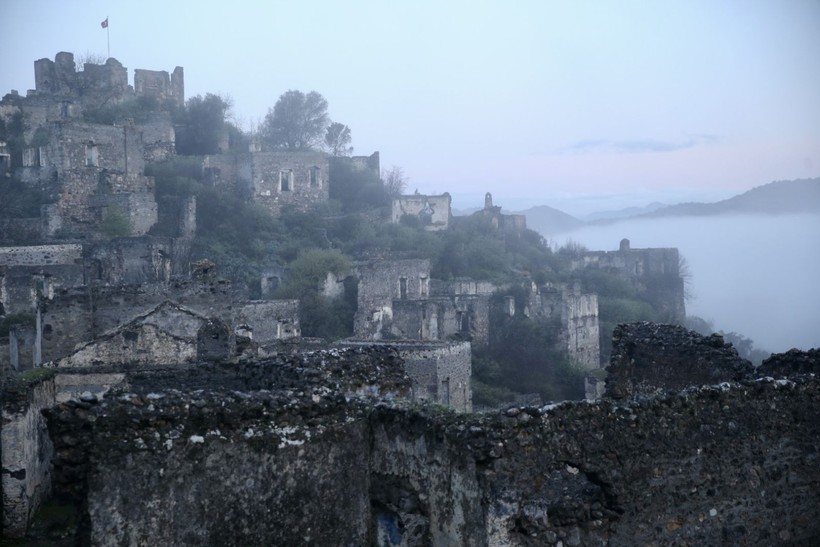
(730, 464)
(649, 357)
(26, 452)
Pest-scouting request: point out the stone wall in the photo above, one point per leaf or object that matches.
(20, 231)
(380, 283)
(274, 179)
(716, 465)
(440, 371)
(137, 260)
(26, 452)
(579, 313)
(654, 272)
(168, 334)
(158, 85)
(21, 285)
(792, 362)
(79, 316)
(648, 358)
(371, 162)
(41, 255)
(433, 212)
(107, 83)
(269, 320)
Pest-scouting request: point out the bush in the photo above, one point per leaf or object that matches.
(115, 223)
(9, 321)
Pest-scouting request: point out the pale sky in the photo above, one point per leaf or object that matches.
(581, 105)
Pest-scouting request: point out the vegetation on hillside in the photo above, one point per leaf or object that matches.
(317, 248)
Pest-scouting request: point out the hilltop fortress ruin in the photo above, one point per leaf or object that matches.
(128, 355)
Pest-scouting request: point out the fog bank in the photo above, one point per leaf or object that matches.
(755, 275)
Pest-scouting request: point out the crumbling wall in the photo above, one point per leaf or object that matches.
(41, 255)
(579, 313)
(650, 357)
(295, 179)
(792, 362)
(26, 451)
(432, 212)
(380, 283)
(140, 343)
(439, 371)
(269, 320)
(157, 84)
(136, 260)
(655, 274)
(654, 471)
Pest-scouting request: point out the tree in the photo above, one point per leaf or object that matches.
(203, 128)
(394, 181)
(297, 121)
(337, 140)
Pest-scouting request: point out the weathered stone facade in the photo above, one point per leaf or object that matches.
(157, 323)
(439, 371)
(433, 212)
(274, 179)
(573, 313)
(89, 171)
(515, 223)
(654, 272)
(380, 283)
(105, 83)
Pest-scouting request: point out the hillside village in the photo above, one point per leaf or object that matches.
(359, 344)
(95, 298)
(231, 335)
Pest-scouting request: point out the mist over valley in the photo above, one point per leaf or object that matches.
(752, 274)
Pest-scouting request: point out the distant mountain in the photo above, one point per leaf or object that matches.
(780, 197)
(624, 213)
(547, 220)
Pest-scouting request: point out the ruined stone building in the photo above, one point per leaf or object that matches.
(433, 212)
(398, 300)
(88, 170)
(273, 179)
(515, 223)
(575, 314)
(655, 274)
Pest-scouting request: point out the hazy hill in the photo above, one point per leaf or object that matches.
(780, 197)
(624, 213)
(548, 220)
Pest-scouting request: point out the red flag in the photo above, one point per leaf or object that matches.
(104, 24)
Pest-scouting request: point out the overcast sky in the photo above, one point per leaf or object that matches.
(535, 101)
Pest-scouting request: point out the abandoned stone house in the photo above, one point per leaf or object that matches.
(512, 222)
(655, 274)
(89, 170)
(433, 212)
(397, 300)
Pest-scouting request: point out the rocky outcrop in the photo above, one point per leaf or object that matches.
(648, 358)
